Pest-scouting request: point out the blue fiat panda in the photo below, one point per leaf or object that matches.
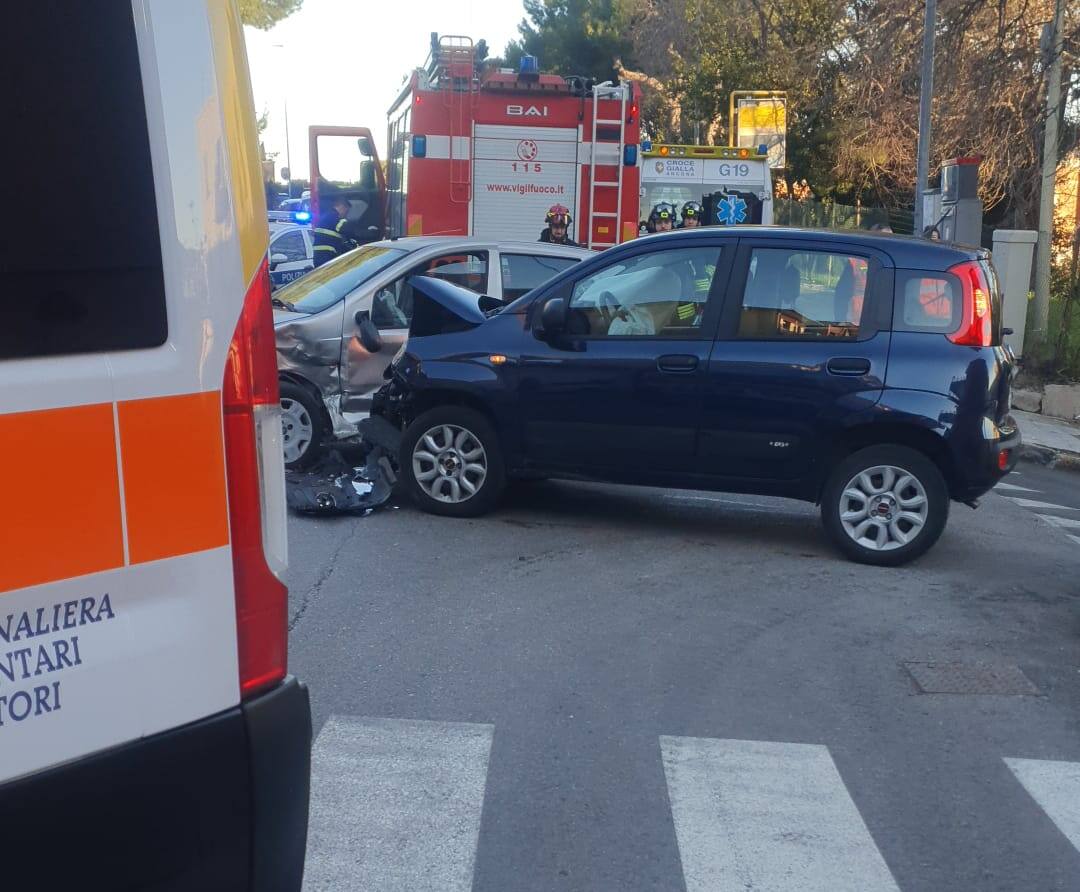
(862, 372)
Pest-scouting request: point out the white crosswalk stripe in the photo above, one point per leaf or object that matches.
(1063, 522)
(760, 815)
(1055, 786)
(1013, 487)
(395, 805)
(1051, 512)
(1032, 503)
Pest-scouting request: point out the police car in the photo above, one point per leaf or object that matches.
(150, 735)
(290, 253)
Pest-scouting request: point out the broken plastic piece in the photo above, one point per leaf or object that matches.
(334, 486)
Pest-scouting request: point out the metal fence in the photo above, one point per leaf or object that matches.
(829, 215)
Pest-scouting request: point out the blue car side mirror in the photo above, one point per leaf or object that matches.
(553, 316)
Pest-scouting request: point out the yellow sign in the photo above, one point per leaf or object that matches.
(762, 116)
(759, 118)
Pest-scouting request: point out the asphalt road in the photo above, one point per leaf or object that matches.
(606, 688)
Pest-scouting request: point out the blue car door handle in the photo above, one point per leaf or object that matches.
(848, 365)
(677, 363)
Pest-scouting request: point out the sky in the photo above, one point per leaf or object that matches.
(345, 61)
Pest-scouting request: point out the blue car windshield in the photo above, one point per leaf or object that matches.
(326, 285)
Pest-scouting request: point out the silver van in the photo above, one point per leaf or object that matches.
(339, 326)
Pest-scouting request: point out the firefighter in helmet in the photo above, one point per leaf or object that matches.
(329, 234)
(692, 214)
(662, 217)
(558, 223)
(698, 275)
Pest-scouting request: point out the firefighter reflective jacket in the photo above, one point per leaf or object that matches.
(329, 239)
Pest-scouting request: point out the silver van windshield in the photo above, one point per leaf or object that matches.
(326, 285)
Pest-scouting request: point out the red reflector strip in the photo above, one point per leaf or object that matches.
(261, 599)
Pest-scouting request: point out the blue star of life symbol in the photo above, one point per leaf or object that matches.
(731, 210)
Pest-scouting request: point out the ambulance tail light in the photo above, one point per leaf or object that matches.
(256, 487)
(976, 319)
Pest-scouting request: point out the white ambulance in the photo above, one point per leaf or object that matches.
(732, 184)
(150, 736)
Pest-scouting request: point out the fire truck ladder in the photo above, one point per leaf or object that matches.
(456, 66)
(618, 92)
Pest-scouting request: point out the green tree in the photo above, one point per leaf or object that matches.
(264, 14)
(572, 37)
(698, 51)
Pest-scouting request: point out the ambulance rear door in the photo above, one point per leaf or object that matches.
(737, 191)
(117, 611)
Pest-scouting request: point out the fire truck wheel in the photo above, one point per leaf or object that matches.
(451, 462)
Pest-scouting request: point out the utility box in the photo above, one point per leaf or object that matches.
(1013, 250)
(960, 204)
(931, 203)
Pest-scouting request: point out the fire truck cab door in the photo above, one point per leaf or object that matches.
(344, 161)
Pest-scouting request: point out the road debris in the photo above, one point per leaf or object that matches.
(337, 486)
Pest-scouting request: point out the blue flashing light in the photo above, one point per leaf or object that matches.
(646, 145)
(419, 146)
(763, 149)
(530, 65)
(302, 216)
(629, 156)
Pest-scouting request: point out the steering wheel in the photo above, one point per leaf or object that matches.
(610, 308)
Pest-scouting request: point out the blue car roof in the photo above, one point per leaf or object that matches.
(905, 251)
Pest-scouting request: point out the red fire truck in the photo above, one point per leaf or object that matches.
(487, 154)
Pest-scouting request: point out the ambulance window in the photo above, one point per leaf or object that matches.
(81, 271)
(523, 272)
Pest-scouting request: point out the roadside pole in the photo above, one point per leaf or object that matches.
(285, 102)
(926, 98)
(1049, 170)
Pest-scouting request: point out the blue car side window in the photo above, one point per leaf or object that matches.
(658, 294)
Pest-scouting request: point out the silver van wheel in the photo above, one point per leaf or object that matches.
(296, 429)
(449, 463)
(883, 508)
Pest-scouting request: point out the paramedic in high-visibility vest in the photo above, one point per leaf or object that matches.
(558, 224)
(330, 237)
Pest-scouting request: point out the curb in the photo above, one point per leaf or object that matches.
(1051, 458)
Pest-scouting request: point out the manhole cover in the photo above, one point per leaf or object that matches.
(939, 677)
